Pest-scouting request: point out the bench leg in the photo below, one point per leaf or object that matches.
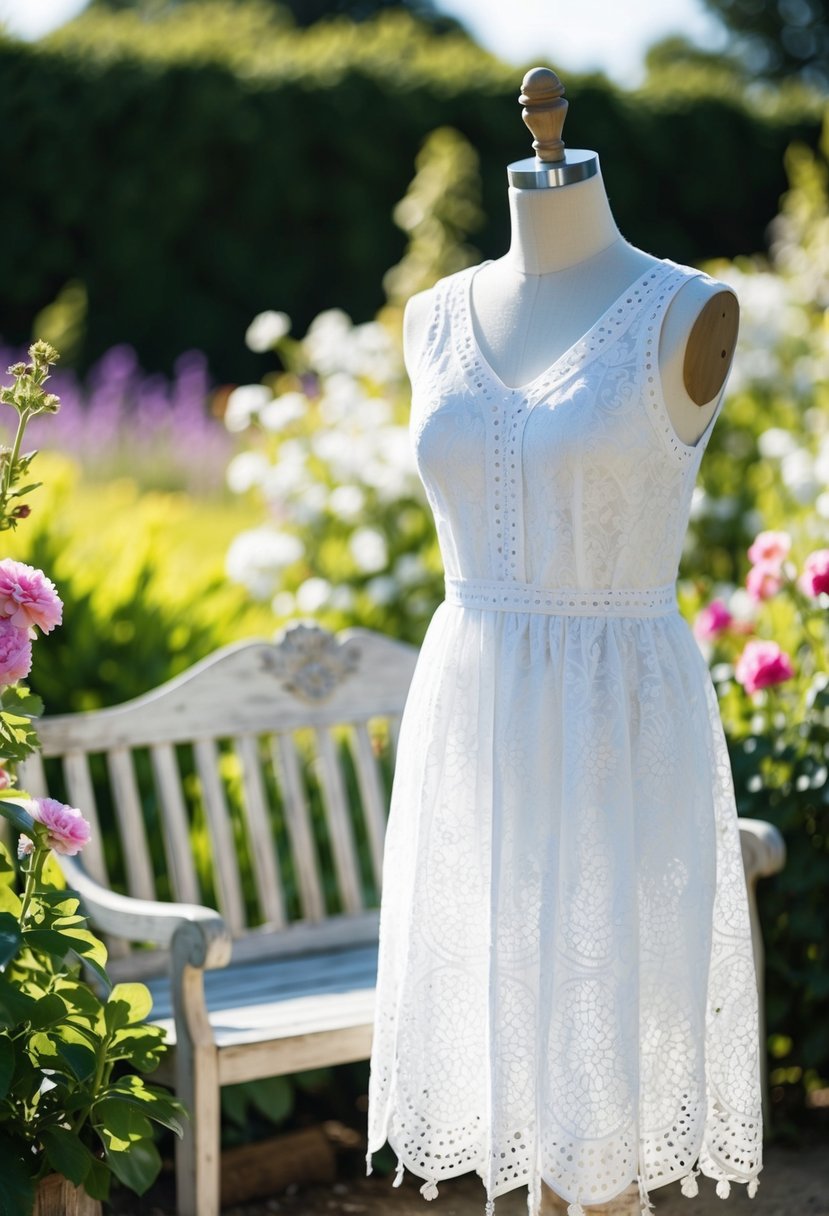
(198, 1153)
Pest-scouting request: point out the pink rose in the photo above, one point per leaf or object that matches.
(762, 663)
(769, 549)
(15, 652)
(67, 830)
(763, 581)
(712, 620)
(28, 597)
(815, 576)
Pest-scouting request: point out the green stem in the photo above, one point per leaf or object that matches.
(33, 874)
(97, 1082)
(13, 455)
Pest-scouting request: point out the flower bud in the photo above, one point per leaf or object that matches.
(43, 352)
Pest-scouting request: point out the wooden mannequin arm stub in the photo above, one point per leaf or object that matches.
(710, 347)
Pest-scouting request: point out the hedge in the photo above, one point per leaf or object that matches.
(193, 171)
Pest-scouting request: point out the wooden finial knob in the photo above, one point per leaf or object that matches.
(545, 108)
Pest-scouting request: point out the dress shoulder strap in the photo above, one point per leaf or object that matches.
(651, 323)
(436, 342)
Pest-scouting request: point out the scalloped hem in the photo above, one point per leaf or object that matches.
(575, 1205)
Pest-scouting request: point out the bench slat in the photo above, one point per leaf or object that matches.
(298, 823)
(81, 795)
(140, 881)
(394, 737)
(231, 904)
(339, 825)
(372, 797)
(263, 858)
(177, 845)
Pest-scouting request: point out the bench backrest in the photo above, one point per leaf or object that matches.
(257, 782)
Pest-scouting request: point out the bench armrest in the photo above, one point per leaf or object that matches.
(198, 935)
(764, 851)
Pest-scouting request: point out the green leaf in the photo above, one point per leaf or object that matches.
(126, 1005)
(120, 1123)
(9, 899)
(137, 1167)
(7, 1056)
(17, 697)
(42, 1050)
(66, 1153)
(143, 1045)
(15, 1006)
(157, 1104)
(64, 902)
(79, 997)
(80, 1059)
(18, 817)
(96, 1183)
(48, 1010)
(17, 1188)
(10, 938)
(58, 945)
(274, 1097)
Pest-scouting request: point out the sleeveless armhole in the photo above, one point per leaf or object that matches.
(682, 453)
(437, 312)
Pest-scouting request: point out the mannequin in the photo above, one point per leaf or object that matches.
(566, 265)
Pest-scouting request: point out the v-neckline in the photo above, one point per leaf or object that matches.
(549, 372)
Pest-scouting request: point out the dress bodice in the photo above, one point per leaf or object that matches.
(575, 480)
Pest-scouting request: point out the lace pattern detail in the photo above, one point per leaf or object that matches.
(566, 987)
(524, 597)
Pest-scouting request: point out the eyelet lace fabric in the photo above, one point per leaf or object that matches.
(566, 988)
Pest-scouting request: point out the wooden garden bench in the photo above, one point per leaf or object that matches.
(243, 807)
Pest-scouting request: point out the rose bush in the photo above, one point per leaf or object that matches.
(71, 1101)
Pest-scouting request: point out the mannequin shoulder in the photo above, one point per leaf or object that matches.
(703, 318)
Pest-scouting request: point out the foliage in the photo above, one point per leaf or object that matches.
(70, 1100)
(142, 581)
(776, 40)
(439, 210)
(196, 156)
(767, 467)
(307, 12)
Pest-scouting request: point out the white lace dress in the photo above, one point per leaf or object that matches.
(566, 987)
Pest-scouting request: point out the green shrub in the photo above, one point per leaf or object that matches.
(216, 163)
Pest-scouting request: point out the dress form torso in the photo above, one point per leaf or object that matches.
(566, 264)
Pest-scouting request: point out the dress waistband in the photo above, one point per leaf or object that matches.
(499, 595)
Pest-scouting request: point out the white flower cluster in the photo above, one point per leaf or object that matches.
(339, 454)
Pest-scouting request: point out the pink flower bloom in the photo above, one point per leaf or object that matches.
(25, 846)
(763, 581)
(762, 663)
(712, 620)
(769, 549)
(815, 576)
(67, 830)
(5, 779)
(15, 652)
(28, 597)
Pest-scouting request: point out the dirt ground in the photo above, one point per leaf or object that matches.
(791, 1184)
